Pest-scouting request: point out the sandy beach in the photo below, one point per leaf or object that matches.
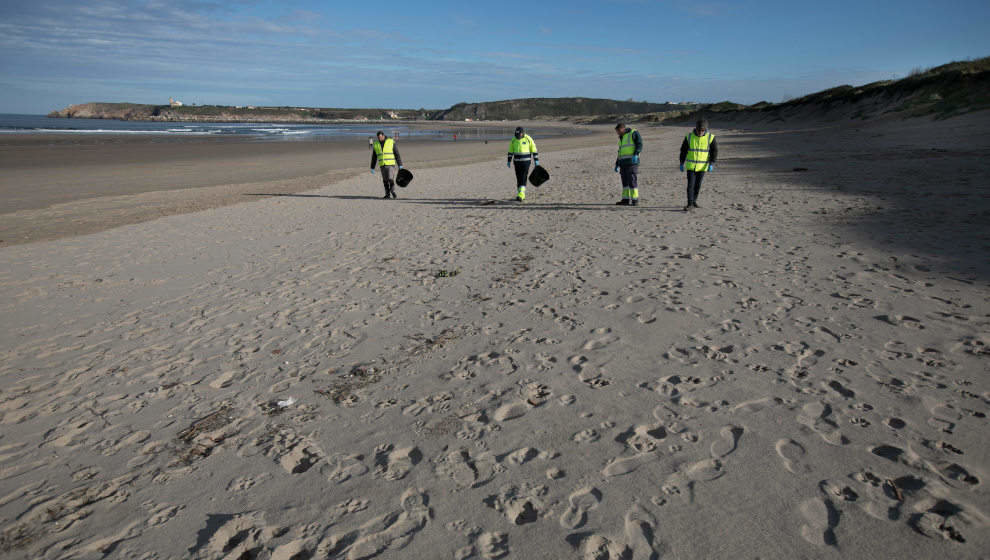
(58, 185)
(799, 369)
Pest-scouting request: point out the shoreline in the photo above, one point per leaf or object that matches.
(57, 186)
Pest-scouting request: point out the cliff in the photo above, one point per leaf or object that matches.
(222, 113)
(122, 111)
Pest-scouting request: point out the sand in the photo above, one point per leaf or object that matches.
(58, 185)
(796, 370)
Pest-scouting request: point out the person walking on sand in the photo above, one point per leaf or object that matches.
(698, 154)
(627, 163)
(386, 155)
(522, 152)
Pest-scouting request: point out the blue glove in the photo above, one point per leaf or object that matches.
(372, 171)
(682, 167)
(537, 161)
(400, 167)
(635, 159)
(711, 167)
(508, 164)
(616, 168)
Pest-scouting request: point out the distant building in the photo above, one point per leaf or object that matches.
(174, 103)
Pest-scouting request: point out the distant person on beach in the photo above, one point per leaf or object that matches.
(627, 163)
(522, 152)
(698, 154)
(386, 154)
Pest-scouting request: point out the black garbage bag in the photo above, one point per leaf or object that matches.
(539, 176)
(403, 178)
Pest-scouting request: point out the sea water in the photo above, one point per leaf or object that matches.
(40, 124)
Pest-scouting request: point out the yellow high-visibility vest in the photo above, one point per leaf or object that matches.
(521, 148)
(697, 156)
(627, 147)
(386, 153)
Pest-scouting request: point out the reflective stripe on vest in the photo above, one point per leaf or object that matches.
(386, 155)
(627, 147)
(522, 149)
(697, 156)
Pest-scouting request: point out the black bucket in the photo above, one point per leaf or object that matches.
(403, 178)
(538, 176)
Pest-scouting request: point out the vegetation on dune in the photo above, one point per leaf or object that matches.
(553, 107)
(943, 91)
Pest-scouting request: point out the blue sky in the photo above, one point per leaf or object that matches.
(54, 53)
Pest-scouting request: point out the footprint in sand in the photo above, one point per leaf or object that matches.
(838, 388)
(589, 435)
(792, 453)
(235, 536)
(493, 545)
(300, 459)
(687, 476)
(580, 503)
(341, 467)
(727, 442)
(294, 550)
(626, 465)
(901, 321)
(606, 339)
(395, 464)
(639, 528)
(643, 438)
(705, 470)
(820, 520)
(520, 504)
(639, 532)
(389, 532)
(879, 497)
(944, 416)
(510, 411)
(815, 416)
(464, 469)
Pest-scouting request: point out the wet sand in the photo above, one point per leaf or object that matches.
(61, 185)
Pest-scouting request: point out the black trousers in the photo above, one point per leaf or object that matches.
(387, 179)
(522, 172)
(694, 179)
(629, 174)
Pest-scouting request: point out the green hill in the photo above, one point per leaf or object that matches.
(552, 108)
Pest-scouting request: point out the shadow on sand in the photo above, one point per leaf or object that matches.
(917, 188)
(487, 203)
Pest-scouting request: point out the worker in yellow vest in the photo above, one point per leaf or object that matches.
(627, 163)
(386, 154)
(698, 154)
(522, 152)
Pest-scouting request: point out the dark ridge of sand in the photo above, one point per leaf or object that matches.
(59, 185)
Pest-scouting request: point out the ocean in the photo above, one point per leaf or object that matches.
(40, 124)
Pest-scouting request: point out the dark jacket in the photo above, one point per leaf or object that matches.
(395, 150)
(712, 150)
